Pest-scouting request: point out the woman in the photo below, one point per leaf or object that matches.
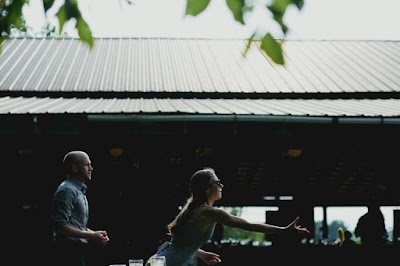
(195, 223)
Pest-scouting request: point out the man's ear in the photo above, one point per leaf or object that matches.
(74, 168)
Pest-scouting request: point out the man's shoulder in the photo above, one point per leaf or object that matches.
(66, 187)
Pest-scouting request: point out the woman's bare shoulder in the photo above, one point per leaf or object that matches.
(214, 212)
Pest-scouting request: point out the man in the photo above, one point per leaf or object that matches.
(371, 227)
(71, 213)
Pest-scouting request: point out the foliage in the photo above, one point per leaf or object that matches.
(11, 17)
(236, 234)
(240, 8)
(242, 235)
(332, 230)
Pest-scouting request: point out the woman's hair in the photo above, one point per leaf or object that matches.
(199, 182)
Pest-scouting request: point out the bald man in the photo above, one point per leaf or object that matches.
(71, 212)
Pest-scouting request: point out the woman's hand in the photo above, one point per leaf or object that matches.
(209, 258)
(294, 226)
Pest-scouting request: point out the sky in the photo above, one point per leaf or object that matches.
(318, 19)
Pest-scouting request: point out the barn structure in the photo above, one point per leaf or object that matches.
(322, 129)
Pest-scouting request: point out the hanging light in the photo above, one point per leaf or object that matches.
(116, 152)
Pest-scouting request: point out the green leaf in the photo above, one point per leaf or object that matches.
(47, 4)
(298, 3)
(85, 34)
(249, 43)
(236, 7)
(72, 9)
(195, 7)
(273, 49)
(14, 13)
(279, 6)
(62, 18)
(279, 18)
(278, 9)
(2, 39)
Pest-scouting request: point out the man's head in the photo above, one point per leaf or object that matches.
(77, 164)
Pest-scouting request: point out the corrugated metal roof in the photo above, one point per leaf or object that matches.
(230, 109)
(320, 81)
(197, 65)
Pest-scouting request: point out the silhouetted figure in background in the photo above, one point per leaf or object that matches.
(348, 242)
(371, 227)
